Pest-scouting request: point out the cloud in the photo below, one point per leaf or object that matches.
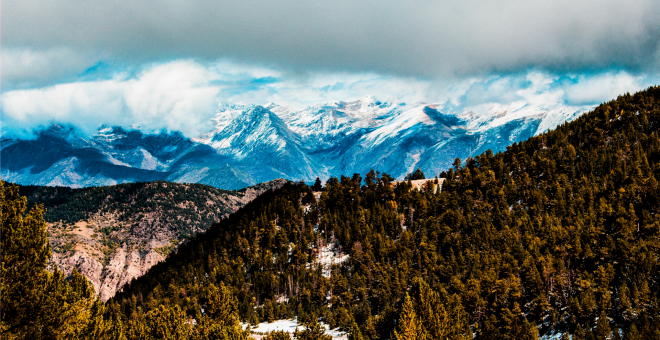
(581, 89)
(183, 95)
(172, 96)
(25, 68)
(427, 39)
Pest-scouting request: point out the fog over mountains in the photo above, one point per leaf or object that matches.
(249, 144)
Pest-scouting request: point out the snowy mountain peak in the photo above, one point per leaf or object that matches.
(248, 144)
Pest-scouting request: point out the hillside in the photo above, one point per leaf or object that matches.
(556, 235)
(116, 233)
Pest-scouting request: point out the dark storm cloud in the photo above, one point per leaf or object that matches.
(421, 38)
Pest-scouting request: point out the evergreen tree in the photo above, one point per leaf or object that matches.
(37, 304)
(603, 330)
(355, 333)
(221, 320)
(543, 237)
(418, 174)
(409, 327)
(25, 252)
(632, 333)
(168, 323)
(318, 186)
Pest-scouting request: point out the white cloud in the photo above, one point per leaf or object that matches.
(603, 87)
(173, 96)
(183, 95)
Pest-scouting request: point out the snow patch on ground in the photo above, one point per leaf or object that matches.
(328, 256)
(555, 336)
(289, 326)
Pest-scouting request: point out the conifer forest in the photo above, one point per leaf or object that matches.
(558, 235)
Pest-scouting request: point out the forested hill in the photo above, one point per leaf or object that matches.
(558, 234)
(129, 200)
(114, 233)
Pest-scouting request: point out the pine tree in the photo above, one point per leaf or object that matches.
(355, 333)
(603, 329)
(25, 252)
(221, 306)
(632, 333)
(221, 320)
(418, 174)
(554, 231)
(318, 186)
(409, 326)
(35, 303)
(438, 317)
(168, 323)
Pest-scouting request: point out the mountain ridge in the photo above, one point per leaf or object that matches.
(114, 234)
(249, 144)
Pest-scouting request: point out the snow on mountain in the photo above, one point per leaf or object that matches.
(249, 144)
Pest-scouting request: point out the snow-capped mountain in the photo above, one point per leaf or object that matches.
(248, 144)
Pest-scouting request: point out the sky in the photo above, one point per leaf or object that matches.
(172, 64)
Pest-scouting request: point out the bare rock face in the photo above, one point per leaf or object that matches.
(150, 260)
(86, 265)
(112, 274)
(123, 267)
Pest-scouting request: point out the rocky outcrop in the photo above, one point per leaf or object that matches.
(84, 263)
(123, 267)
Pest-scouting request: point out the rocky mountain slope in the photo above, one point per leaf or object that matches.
(249, 144)
(114, 234)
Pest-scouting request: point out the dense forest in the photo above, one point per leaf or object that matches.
(559, 234)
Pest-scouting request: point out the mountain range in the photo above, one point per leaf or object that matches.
(249, 144)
